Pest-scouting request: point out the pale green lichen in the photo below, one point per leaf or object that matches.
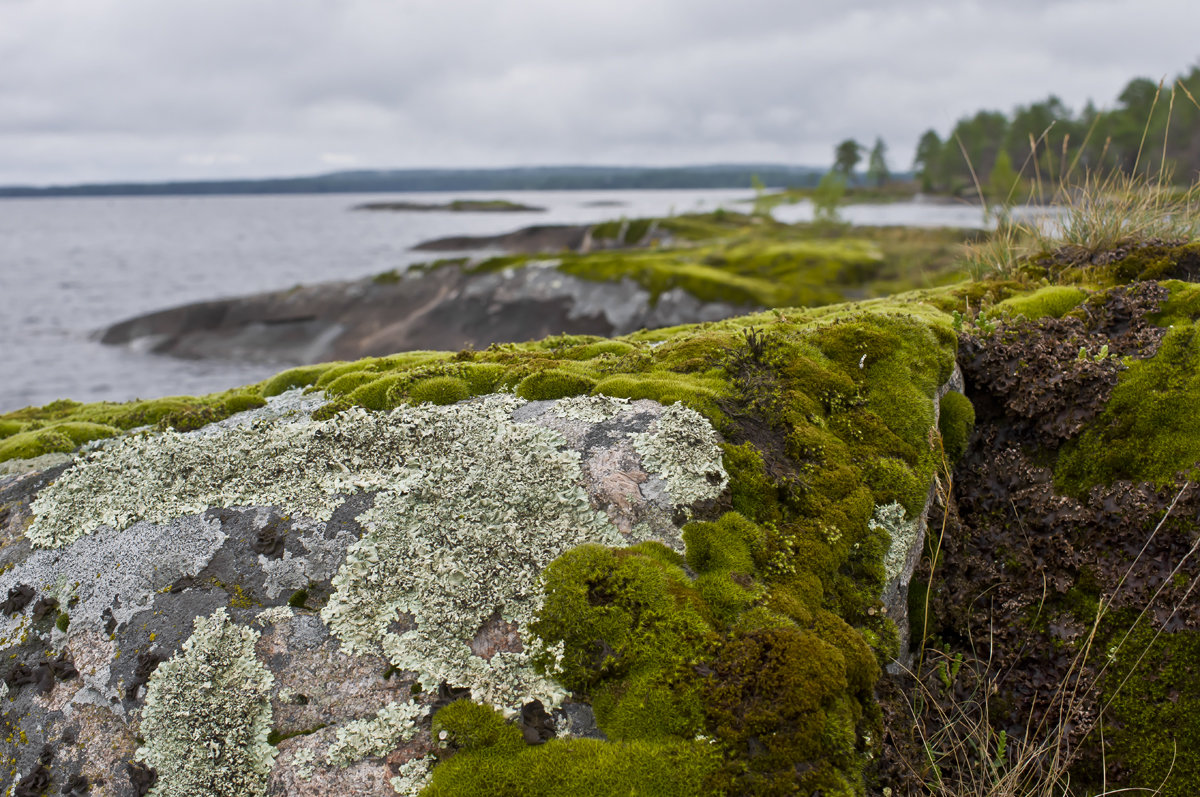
(304, 763)
(470, 506)
(683, 448)
(589, 409)
(375, 737)
(302, 466)
(207, 715)
(274, 615)
(901, 531)
(466, 539)
(413, 776)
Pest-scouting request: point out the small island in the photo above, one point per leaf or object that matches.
(455, 206)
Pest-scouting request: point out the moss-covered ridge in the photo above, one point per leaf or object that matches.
(751, 260)
(64, 425)
(751, 659)
(825, 417)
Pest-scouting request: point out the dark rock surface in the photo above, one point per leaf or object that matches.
(444, 308)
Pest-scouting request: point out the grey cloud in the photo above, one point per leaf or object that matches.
(143, 89)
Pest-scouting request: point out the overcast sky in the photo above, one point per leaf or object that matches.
(154, 89)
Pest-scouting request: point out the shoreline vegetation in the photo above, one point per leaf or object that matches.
(455, 206)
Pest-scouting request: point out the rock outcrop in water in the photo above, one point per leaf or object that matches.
(608, 279)
(443, 308)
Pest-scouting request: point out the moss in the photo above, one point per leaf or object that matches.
(10, 428)
(740, 259)
(63, 622)
(1052, 301)
(65, 425)
(294, 377)
(470, 726)
(554, 383)
(752, 492)
(732, 543)
(579, 766)
(347, 383)
(699, 394)
(1152, 720)
(32, 444)
(375, 393)
(955, 422)
(643, 610)
(778, 697)
(241, 402)
(439, 390)
(1147, 430)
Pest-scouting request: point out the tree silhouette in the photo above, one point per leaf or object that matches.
(846, 156)
(877, 170)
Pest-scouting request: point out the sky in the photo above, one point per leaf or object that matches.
(145, 90)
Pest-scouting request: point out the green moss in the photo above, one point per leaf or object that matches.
(1053, 301)
(892, 479)
(955, 422)
(33, 444)
(779, 696)
(1152, 721)
(10, 428)
(700, 394)
(64, 437)
(752, 492)
(732, 543)
(643, 609)
(579, 766)
(439, 390)
(374, 394)
(740, 259)
(294, 377)
(64, 425)
(554, 383)
(348, 383)
(63, 622)
(469, 726)
(1148, 430)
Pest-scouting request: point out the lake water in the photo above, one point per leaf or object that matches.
(69, 267)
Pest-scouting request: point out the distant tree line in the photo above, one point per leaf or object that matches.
(509, 179)
(997, 147)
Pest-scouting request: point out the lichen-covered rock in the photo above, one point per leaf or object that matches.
(541, 566)
(276, 585)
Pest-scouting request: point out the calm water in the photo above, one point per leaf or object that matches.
(69, 267)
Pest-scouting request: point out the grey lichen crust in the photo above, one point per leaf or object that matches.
(207, 716)
(377, 736)
(682, 448)
(494, 503)
(901, 531)
(467, 505)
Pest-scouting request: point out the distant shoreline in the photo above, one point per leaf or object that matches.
(547, 178)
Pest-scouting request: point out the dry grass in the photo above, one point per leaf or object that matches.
(1096, 212)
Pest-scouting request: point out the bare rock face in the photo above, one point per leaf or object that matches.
(445, 308)
(276, 605)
